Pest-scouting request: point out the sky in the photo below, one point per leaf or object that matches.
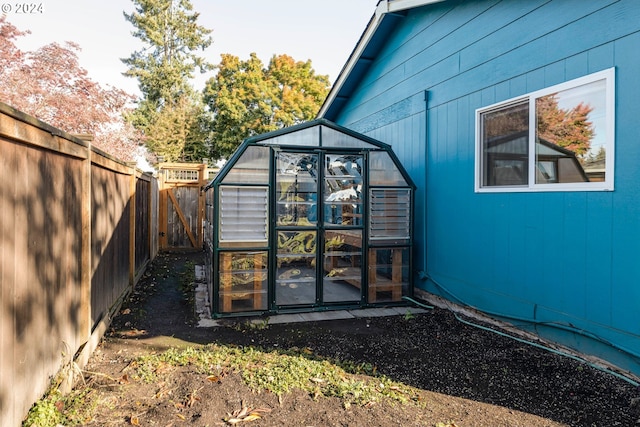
(325, 32)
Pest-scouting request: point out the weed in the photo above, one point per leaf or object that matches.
(260, 324)
(243, 326)
(280, 372)
(187, 282)
(55, 409)
(43, 413)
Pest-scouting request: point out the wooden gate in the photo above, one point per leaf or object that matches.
(181, 204)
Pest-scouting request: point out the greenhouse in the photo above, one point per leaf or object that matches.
(311, 217)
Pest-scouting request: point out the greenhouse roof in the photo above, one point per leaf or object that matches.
(306, 135)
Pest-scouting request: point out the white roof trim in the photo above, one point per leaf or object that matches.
(383, 7)
(397, 5)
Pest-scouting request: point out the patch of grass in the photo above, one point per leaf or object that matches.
(281, 372)
(54, 409)
(43, 413)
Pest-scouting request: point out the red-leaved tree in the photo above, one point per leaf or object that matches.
(50, 84)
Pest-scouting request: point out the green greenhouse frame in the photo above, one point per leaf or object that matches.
(311, 217)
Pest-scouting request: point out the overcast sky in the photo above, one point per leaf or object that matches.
(324, 32)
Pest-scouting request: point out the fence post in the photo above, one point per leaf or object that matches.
(201, 203)
(86, 251)
(132, 225)
(163, 232)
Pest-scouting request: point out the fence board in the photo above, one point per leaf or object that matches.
(7, 275)
(143, 221)
(110, 239)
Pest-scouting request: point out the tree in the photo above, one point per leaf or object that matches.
(10, 55)
(568, 128)
(164, 69)
(238, 100)
(50, 84)
(300, 91)
(171, 36)
(246, 99)
(176, 132)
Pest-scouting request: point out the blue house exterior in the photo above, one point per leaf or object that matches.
(497, 227)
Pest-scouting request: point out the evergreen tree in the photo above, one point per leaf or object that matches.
(176, 132)
(164, 69)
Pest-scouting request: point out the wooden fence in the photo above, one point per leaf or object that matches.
(77, 228)
(182, 204)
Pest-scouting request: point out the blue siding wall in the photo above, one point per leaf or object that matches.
(569, 259)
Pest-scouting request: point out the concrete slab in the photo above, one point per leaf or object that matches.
(282, 318)
(200, 274)
(208, 323)
(374, 312)
(203, 309)
(326, 315)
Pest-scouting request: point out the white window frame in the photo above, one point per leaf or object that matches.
(608, 76)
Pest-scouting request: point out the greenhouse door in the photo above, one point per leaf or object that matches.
(319, 250)
(296, 196)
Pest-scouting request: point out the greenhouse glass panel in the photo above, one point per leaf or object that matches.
(251, 168)
(296, 267)
(343, 200)
(342, 265)
(303, 137)
(383, 170)
(388, 274)
(296, 188)
(335, 138)
(209, 215)
(243, 281)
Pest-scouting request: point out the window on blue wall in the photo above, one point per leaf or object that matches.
(556, 139)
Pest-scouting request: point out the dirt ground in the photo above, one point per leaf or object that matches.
(463, 375)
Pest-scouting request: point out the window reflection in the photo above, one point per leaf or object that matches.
(570, 129)
(505, 135)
